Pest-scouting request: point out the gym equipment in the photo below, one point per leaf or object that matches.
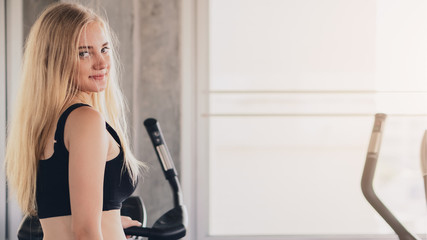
(170, 226)
(368, 176)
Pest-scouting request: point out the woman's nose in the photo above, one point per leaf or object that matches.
(100, 62)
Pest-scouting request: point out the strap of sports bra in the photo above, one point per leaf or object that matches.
(113, 133)
(59, 132)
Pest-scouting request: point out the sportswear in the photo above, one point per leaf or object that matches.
(52, 190)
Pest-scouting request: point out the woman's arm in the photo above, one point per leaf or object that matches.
(128, 222)
(87, 143)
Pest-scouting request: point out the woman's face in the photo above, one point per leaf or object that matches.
(94, 59)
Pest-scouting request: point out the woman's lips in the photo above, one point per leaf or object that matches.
(98, 77)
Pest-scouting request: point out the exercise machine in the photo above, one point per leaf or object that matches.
(368, 176)
(170, 226)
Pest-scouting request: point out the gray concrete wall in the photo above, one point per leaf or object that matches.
(148, 33)
(32, 9)
(159, 94)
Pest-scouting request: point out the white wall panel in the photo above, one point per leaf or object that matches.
(293, 89)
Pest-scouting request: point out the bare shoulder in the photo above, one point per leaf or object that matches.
(84, 122)
(85, 114)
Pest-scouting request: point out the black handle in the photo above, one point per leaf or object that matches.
(162, 151)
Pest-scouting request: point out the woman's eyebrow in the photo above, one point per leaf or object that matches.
(90, 47)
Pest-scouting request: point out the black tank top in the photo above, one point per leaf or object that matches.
(52, 192)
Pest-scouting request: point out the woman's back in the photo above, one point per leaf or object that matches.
(60, 227)
(53, 193)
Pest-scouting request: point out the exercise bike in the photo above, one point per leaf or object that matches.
(170, 226)
(368, 176)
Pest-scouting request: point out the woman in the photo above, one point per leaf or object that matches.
(67, 155)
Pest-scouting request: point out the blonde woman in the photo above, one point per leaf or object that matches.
(67, 154)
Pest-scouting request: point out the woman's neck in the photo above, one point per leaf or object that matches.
(83, 97)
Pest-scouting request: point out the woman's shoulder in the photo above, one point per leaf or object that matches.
(84, 121)
(85, 114)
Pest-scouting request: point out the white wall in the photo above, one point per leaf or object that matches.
(293, 86)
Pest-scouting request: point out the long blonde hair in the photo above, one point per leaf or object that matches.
(47, 88)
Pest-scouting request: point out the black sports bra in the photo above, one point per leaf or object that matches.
(52, 192)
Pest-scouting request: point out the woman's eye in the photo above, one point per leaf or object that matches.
(84, 54)
(105, 50)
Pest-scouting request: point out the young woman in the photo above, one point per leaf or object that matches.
(67, 155)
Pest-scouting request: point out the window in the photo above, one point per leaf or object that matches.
(287, 92)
